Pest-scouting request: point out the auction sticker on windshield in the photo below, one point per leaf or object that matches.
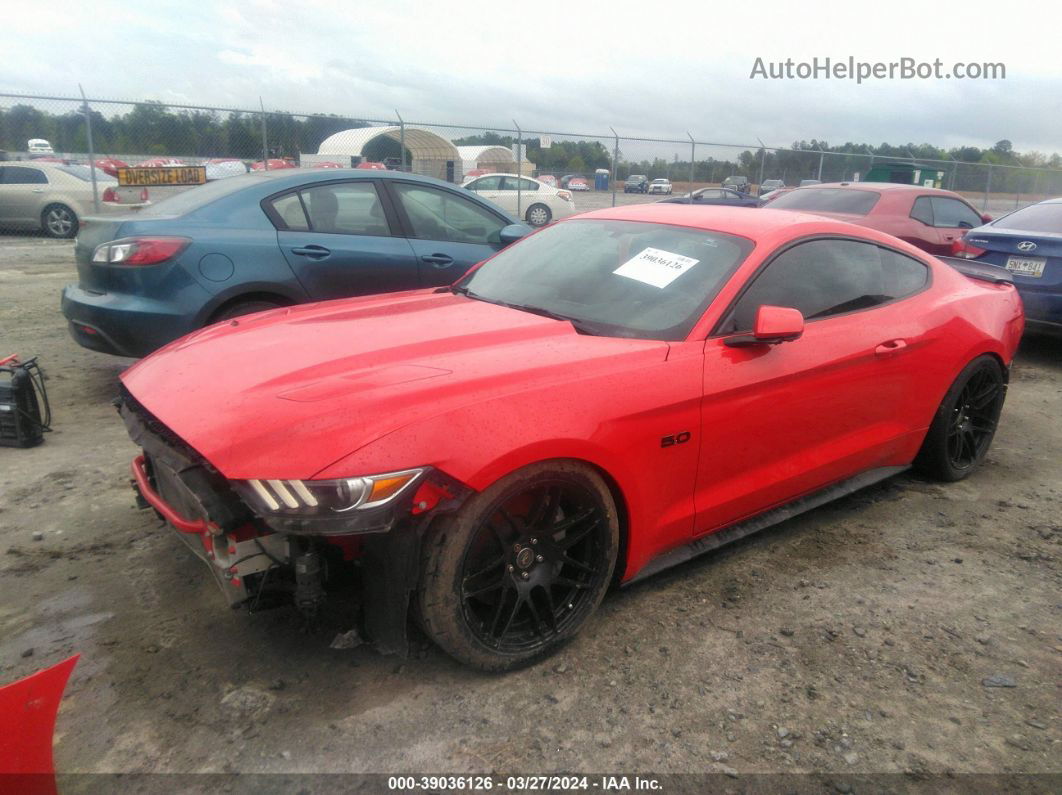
(656, 267)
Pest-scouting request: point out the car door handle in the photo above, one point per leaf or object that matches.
(890, 348)
(38, 190)
(439, 260)
(311, 251)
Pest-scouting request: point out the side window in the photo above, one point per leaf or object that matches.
(289, 209)
(829, 277)
(712, 193)
(440, 215)
(486, 183)
(922, 210)
(902, 275)
(954, 213)
(509, 183)
(21, 175)
(346, 208)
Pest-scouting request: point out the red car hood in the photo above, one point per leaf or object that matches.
(285, 393)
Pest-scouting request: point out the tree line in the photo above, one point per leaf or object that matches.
(152, 128)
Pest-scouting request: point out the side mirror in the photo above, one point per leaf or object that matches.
(986, 217)
(774, 324)
(513, 232)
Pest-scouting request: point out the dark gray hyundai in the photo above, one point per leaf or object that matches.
(270, 239)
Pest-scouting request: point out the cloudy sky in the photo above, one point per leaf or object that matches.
(650, 68)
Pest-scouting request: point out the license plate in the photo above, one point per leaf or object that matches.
(1027, 266)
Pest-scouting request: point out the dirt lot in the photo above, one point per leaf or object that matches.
(857, 638)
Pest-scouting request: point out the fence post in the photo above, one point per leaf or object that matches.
(615, 164)
(821, 155)
(763, 156)
(988, 187)
(402, 141)
(265, 139)
(693, 157)
(519, 170)
(91, 153)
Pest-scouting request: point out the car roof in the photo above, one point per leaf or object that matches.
(751, 223)
(882, 187)
(502, 174)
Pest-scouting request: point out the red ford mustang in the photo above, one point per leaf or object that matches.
(609, 396)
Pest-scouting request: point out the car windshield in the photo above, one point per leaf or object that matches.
(85, 173)
(829, 200)
(660, 181)
(613, 278)
(1046, 217)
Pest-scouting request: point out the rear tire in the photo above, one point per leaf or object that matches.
(240, 308)
(521, 567)
(59, 221)
(964, 425)
(538, 215)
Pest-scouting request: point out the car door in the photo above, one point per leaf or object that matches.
(490, 188)
(952, 217)
(340, 240)
(785, 420)
(22, 193)
(448, 231)
(710, 196)
(520, 200)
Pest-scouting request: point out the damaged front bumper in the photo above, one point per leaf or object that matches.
(259, 563)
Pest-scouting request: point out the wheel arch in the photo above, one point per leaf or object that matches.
(224, 301)
(578, 454)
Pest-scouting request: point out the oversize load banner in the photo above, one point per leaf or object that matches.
(162, 175)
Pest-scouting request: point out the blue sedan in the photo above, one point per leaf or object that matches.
(271, 239)
(1028, 243)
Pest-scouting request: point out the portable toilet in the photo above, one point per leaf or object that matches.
(601, 179)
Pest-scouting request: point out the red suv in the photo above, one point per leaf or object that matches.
(932, 219)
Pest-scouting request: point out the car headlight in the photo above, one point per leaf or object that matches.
(325, 498)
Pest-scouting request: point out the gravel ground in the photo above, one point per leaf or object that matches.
(863, 637)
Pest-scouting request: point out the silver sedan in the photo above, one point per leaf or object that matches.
(54, 197)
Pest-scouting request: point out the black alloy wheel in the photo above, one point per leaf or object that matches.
(965, 423)
(521, 567)
(973, 418)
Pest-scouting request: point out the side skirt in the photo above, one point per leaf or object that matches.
(710, 541)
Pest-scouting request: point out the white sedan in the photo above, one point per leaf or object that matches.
(539, 203)
(660, 186)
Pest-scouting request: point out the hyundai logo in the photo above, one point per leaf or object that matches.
(1026, 245)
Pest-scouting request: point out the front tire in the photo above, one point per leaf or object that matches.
(538, 215)
(59, 221)
(964, 425)
(521, 567)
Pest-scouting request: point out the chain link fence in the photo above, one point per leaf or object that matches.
(111, 133)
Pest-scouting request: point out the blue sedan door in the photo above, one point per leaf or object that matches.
(340, 240)
(448, 230)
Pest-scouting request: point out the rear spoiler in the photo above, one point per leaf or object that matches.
(979, 270)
